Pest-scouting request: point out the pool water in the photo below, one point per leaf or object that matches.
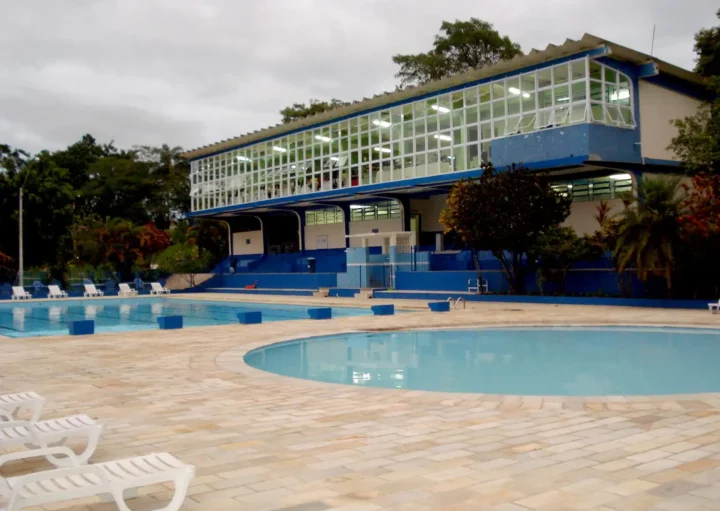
(32, 319)
(558, 361)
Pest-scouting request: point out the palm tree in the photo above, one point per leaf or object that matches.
(649, 231)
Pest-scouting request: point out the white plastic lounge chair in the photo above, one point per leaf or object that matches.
(91, 290)
(47, 438)
(56, 292)
(158, 289)
(113, 478)
(11, 404)
(126, 290)
(474, 286)
(714, 307)
(19, 293)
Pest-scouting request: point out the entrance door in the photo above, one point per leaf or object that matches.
(321, 242)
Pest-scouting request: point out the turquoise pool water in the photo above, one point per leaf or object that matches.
(561, 361)
(31, 319)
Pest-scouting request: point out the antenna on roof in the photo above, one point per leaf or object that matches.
(652, 44)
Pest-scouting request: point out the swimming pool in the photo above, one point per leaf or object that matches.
(31, 319)
(558, 361)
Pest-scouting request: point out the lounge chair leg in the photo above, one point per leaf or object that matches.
(132, 493)
(79, 459)
(181, 488)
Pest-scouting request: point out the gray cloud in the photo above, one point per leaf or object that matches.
(189, 73)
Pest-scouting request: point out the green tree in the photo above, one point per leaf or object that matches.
(505, 212)
(697, 142)
(555, 253)
(120, 188)
(170, 173)
(315, 106)
(461, 46)
(649, 229)
(185, 260)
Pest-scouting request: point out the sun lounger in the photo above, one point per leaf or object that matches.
(714, 307)
(47, 438)
(91, 290)
(12, 404)
(113, 478)
(56, 292)
(158, 289)
(126, 290)
(19, 293)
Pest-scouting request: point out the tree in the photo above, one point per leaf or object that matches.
(185, 260)
(649, 230)
(605, 240)
(700, 235)
(315, 106)
(697, 143)
(504, 212)
(461, 46)
(556, 251)
(170, 174)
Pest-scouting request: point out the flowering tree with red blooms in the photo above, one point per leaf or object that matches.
(701, 218)
(700, 233)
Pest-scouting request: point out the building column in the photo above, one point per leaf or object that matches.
(301, 228)
(346, 220)
(406, 212)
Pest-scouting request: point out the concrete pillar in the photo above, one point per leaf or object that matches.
(346, 220)
(439, 242)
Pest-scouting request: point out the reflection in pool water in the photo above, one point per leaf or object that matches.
(526, 361)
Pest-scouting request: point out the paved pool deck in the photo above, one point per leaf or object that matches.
(267, 442)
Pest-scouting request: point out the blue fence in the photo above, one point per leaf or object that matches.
(272, 281)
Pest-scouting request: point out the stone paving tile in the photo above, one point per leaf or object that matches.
(264, 442)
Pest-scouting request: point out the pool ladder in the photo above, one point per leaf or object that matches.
(457, 302)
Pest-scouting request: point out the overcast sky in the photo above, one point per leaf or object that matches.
(192, 72)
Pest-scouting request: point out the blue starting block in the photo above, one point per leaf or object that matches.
(383, 310)
(320, 313)
(170, 322)
(439, 306)
(82, 327)
(250, 318)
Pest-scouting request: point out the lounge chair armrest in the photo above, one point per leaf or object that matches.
(5, 416)
(45, 451)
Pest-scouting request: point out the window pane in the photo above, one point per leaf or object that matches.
(485, 112)
(545, 98)
(499, 128)
(484, 93)
(528, 103)
(457, 100)
(561, 95)
(544, 78)
(560, 73)
(597, 112)
(578, 113)
(485, 131)
(579, 91)
(472, 134)
(513, 125)
(471, 96)
(595, 70)
(626, 116)
(528, 82)
(578, 69)
(596, 90)
(513, 105)
(543, 119)
(498, 109)
(498, 90)
(610, 75)
(528, 122)
(471, 115)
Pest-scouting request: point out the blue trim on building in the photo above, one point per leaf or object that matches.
(595, 53)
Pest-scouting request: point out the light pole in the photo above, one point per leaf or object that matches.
(21, 269)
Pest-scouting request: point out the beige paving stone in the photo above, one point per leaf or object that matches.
(265, 442)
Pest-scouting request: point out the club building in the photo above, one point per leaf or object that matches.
(361, 188)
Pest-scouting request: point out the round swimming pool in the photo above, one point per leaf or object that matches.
(557, 361)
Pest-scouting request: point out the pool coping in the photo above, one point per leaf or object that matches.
(233, 360)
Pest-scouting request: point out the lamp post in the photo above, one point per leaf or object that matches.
(21, 269)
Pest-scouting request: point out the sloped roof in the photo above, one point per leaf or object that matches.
(533, 58)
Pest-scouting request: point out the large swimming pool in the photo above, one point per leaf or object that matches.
(31, 319)
(561, 361)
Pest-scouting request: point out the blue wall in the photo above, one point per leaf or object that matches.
(272, 280)
(587, 141)
(559, 300)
